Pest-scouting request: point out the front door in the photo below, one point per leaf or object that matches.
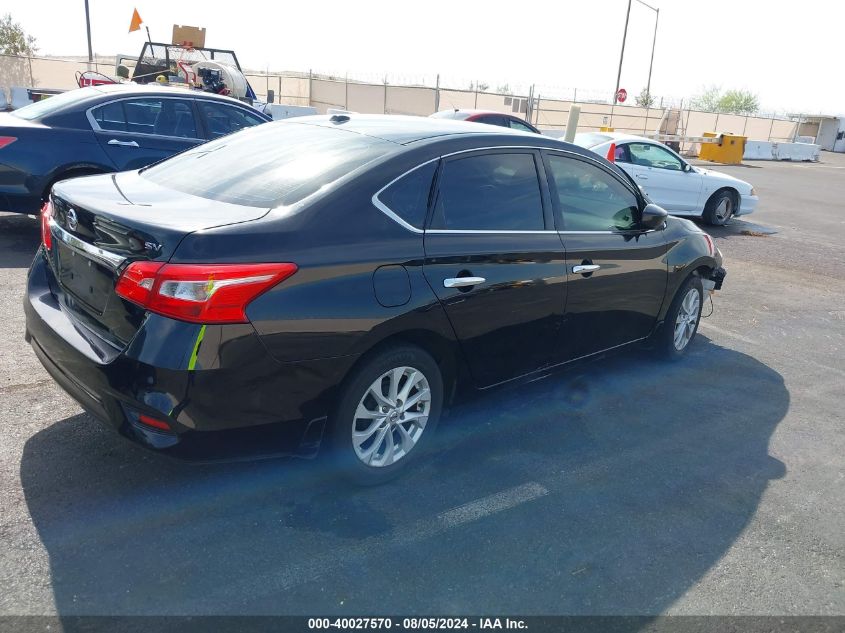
(495, 262)
(617, 273)
(137, 132)
(662, 175)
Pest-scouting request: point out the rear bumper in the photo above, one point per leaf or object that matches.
(232, 400)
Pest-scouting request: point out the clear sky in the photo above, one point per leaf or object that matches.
(789, 53)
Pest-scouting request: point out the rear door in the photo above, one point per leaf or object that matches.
(495, 262)
(617, 272)
(138, 131)
(661, 174)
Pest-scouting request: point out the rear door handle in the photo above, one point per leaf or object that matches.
(641, 177)
(462, 282)
(114, 141)
(585, 268)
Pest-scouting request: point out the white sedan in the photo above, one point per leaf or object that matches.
(670, 181)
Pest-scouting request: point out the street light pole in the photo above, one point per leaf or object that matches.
(653, 42)
(88, 26)
(621, 55)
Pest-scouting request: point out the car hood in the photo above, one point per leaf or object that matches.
(727, 178)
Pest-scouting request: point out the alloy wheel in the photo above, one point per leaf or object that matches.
(725, 209)
(391, 416)
(686, 319)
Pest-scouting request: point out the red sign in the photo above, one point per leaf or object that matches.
(621, 95)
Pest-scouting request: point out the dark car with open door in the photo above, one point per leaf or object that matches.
(345, 277)
(103, 129)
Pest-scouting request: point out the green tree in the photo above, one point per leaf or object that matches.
(13, 39)
(739, 102)
(644, 99)
(504, 89)
(712, 99)
(708, 100)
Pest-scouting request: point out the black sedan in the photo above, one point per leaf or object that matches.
(104, 129)
(343, 278)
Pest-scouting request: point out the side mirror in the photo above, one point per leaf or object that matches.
(653, 217)
(687, 168)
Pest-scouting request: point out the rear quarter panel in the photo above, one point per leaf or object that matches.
(329, 307)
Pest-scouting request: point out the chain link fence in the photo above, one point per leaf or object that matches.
(546, 106)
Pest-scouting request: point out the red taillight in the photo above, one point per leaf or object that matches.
(199, 293)
(153, 422)
(7, 140)
(46, 214)
(611, 153)
(711, 247)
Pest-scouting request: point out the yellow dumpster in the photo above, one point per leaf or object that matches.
(604, 128)
(728, 150)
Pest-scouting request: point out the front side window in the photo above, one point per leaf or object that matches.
(224, 119)
(590, 199)
(648, 155)
(489, 192)
(408, 196)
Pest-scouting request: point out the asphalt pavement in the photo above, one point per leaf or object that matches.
(621, 486)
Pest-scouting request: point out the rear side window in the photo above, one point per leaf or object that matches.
(268, 165)
(110, 117)
(222, 119)
(492, 119)
(408, 196)
(162, 117)
(490, 192)
(590, 198)
(519, 125)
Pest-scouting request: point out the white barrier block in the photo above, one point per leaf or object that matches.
(764, 150)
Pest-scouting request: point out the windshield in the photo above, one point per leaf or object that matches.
(269, 165)
(45, 107)
(591, 139)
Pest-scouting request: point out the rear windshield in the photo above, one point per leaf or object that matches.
(270, 165)
(48, 106)
(589, 140)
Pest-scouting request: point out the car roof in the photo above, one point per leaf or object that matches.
(403, 130)
(95, 93)
(619, 136)
(466, 112)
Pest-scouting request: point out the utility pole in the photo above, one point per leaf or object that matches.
(88, 26)
(622, 54)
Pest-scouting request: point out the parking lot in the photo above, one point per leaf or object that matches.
(621, 486)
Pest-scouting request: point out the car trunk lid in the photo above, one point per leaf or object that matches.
(102, 223)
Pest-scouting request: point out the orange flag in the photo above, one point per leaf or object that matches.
(135, 24)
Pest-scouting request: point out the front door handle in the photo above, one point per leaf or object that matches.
(586, 268)
(114, 141)
(641, 177)
(462, 282)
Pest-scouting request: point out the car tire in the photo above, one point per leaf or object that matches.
(720, 208)
(681, 324)
(372, 434)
